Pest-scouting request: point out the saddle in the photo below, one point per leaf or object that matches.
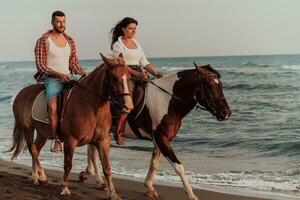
(40, 105)
(138, 99)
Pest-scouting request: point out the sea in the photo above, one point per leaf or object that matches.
(256, 152)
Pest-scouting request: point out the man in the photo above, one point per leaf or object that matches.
(55, 57)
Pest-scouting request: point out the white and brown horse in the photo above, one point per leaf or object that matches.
(86, 120)
(168, 101)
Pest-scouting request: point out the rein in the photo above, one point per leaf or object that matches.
(172, 95)
(198, 106)
(75, 82)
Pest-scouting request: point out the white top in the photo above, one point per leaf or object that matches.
(131, 56)
(58, 57)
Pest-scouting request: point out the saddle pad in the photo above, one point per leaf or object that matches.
(39, 109)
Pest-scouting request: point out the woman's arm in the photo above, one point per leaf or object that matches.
(152, 70)
(138, 74)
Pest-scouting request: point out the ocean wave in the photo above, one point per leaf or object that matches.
(169, 69)
(5, 98)
(288, 149)
(12, 99)
(291, 67)
(244, 86)
(249, 63)
(3, 67)
(263, 181)
(256, 180)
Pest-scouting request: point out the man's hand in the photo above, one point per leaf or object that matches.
(64, 78)
(82, 73)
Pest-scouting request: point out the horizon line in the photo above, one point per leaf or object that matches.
(241, 55)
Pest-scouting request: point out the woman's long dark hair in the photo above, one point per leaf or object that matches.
(117, 30)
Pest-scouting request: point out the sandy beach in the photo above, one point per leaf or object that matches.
(16, 183)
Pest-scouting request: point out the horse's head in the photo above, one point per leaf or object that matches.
(118, 81)
(209, 92)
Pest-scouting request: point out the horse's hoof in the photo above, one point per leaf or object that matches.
(114, 196)
(65, 192)
(152, 194)
(83, 176)
(103, 187)
(194, 198)
(36, 182)
(43, 182)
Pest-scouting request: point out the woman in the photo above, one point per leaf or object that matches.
(124, 45)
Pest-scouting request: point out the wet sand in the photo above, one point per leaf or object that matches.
(16, 184)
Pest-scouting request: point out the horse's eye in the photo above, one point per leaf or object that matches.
(114, 79)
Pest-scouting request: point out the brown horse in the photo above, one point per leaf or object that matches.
(86, 120)
(168, 101)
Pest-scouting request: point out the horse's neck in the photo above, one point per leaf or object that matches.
(167, 82)
(158, 101)
(94, 85)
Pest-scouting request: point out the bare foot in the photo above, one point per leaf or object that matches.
(119, 139)
(57, 146)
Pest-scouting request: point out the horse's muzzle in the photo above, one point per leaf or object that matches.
(223, 115)
(128, 104)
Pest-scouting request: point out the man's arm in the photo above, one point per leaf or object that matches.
(40, 52)
(74, 62)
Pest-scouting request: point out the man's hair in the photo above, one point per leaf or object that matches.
(57, 13)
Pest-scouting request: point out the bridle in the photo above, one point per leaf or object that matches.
(210, 102)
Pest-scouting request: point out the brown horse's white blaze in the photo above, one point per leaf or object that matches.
(168, 101)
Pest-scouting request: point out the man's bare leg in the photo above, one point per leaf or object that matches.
(53, 118)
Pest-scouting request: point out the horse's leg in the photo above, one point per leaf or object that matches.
(165, 147)
(39, 143)
(29, 137)
(84, 175)
(69, 148)
(103, 150)
(154, 163)
(95, 161)
(92, 165)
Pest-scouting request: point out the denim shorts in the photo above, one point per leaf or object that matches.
(54, 86)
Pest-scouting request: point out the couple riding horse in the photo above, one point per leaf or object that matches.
(87, 116)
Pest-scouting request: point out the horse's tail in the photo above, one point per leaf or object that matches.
(19, 142)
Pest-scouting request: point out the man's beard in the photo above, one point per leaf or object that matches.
(58, 30)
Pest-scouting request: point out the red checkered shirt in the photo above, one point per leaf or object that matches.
(41, 51)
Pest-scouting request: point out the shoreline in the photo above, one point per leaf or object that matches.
(16, 183)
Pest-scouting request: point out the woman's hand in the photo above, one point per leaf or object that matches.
(158, 75)
(144, 75)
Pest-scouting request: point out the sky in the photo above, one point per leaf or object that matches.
(167, 28)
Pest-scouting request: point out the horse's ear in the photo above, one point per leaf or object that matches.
(195, 65)
(209, 68)
(105, 59)
(121, 59)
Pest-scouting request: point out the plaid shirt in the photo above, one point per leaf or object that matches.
(41, 52)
